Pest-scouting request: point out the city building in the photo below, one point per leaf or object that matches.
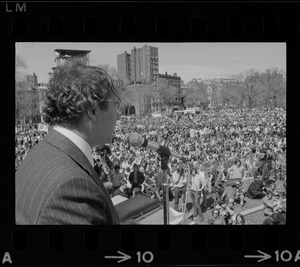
(172, 103)
(27, 100)
(140, 66)
(124, 69)
(32, 81)
(42, 89)
(172, 80)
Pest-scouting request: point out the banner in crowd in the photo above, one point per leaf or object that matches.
(156, 115)
(43, 127)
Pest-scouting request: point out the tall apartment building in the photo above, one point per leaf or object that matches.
(143, 64)
(124, 68)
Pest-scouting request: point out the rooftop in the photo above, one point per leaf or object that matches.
(71, 52)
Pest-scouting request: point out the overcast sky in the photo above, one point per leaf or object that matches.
(188, 60)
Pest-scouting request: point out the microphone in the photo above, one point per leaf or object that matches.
(136, 140)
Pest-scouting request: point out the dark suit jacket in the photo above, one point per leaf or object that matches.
(56, 184)
(140, 178)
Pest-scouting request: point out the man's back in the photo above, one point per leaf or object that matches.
(54, 186)
(136, 177)
(255, 189)
(256, 185)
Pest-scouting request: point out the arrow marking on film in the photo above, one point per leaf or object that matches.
(264, 256)
(124, 257)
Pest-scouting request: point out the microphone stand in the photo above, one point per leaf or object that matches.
(165, 187)
(275, 159)
(186, 192)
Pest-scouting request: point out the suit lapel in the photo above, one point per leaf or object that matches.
(63, 143)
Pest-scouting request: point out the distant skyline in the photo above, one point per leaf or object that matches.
(188, 60)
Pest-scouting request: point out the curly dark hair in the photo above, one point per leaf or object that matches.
(75, 88)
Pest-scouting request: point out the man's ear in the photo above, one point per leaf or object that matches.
(92, 114)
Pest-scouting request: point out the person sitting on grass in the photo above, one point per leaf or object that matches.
(271, 204)
(217, 218)
(223, 202)
(279, 200)
(239, 194)
(275, 219)
(238, 219)
(237, 172)
(221, 196)
(256, 189)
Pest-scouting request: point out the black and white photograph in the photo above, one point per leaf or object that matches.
(150, 133)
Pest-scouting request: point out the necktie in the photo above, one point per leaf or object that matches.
(135, 177)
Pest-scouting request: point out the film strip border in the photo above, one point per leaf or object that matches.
(187, 245)
(168, 21)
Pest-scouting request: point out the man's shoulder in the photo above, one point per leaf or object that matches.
(47, 161)
(42, 153)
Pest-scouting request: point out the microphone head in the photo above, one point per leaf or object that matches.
(135, 139)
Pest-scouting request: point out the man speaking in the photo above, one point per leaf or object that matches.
(57, 184)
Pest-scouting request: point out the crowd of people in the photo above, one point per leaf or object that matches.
(26, 138)
(222, 148)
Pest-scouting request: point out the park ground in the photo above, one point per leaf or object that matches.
(256, 218)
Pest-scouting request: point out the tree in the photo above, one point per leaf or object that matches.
(166, 92)
(127, 93)
(196, 93)
(27, 105)
(129, 97)
(215, 93)
(250, 86)
(281, 100)
(146, 95)
(20, 84)
(20, 68)
(230, 93)
(26, 98)
(110, 70)
(160, 94)
(191, 97)
(274, 85)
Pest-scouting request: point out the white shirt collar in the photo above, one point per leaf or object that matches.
(78, 141)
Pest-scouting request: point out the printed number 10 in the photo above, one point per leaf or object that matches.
(146, 257)
(287, 256)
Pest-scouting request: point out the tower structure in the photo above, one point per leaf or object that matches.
(68, 54)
